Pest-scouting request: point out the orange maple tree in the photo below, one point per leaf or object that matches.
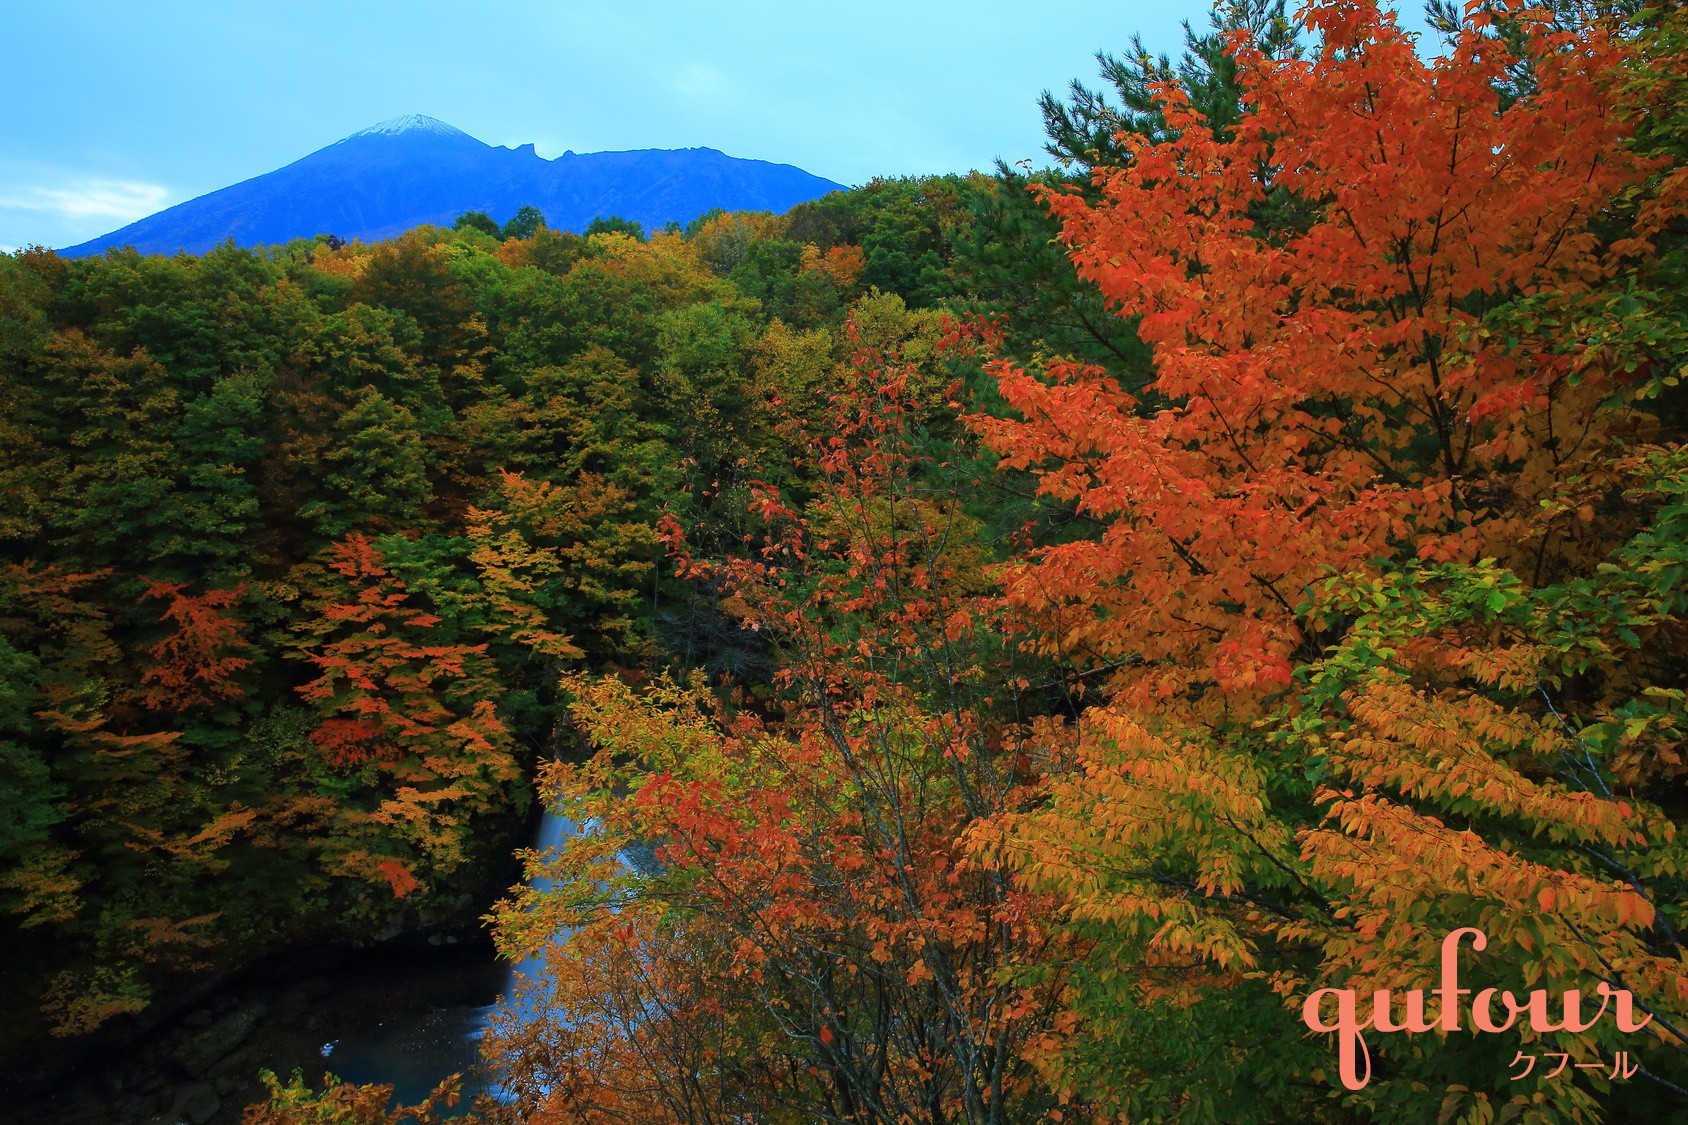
(1375, 565)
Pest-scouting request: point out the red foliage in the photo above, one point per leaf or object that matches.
(196, 663)
(398, 876)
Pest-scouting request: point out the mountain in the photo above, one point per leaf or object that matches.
(390, 177)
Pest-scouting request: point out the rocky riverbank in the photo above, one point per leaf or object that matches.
(202, 1066)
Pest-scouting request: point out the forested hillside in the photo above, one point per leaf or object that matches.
(1043, 631)
(297, 544)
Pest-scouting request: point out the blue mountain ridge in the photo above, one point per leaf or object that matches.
(399, 174)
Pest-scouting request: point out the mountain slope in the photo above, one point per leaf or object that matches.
(411, 170)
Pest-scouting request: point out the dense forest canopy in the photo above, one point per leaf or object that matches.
(1044, 628)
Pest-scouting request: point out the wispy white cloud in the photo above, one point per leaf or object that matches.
(124, 200)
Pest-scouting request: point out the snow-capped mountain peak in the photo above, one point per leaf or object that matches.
(410, 123)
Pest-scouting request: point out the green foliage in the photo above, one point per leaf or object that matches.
(614, 224)
(906, 229)
(477, 220)
(29, 797)
(1083, 129)
(525, 223)
(377, 470)
(341, 1103)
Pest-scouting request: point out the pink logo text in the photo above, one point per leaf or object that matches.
(1355, 1058)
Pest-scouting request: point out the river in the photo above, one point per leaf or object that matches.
(407, 1013)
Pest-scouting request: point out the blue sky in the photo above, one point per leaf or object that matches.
(117, 109)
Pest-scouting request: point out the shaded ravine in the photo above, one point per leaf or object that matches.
(414, 1056)
(203, 1066)
(408, 1012)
